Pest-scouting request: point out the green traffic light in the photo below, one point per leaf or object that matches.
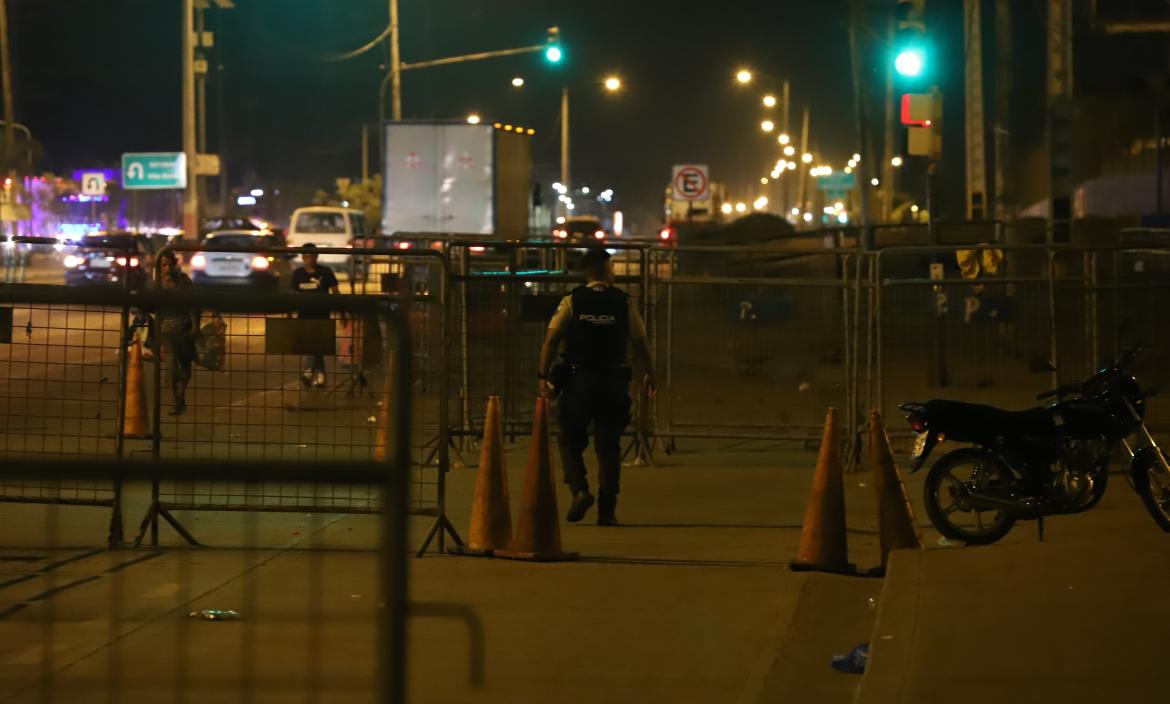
(553, 54)
(910, 63)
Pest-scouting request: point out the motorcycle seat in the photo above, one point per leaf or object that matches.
(973, 422)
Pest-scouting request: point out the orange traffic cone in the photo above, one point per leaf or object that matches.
(538, 530)
(491, 517)
(134, 421)
(822, 542)
(897, 528)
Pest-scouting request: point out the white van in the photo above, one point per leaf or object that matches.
(327, 226)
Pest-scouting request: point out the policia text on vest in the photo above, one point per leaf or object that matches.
(597, 323)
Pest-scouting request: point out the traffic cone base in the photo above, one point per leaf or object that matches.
(491, 517)
(897, 528)
(823, 545)
(538, 529)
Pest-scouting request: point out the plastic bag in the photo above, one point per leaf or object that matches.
(211, 344)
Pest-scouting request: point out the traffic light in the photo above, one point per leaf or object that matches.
(910, 55)
(553, 51)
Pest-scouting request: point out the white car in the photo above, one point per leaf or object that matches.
(225, 260)
(327, 226)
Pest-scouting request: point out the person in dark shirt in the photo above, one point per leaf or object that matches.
(313, 279)
(178, 329)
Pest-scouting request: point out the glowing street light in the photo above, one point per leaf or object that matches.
(613, 83)
(743, 76)
(789, 150)
(760, 203)
(769, 101)
(726, 208)
(763, 180)
(796, 211)
(896, 162)
(518, 82)
(473, 119)
(741, 207)
(806, 158)
(874, 182)
(856, 159)
(808, 217)
(784, 139)
(767, 125)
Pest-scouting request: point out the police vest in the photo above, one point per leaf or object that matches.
(599, 330)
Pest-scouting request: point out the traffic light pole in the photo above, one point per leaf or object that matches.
(191, 192)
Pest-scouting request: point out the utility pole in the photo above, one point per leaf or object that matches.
(565, 137)
(856, 22)
(191, 192)
(1060, 117)
(1003, 88)
(395, 65)
(9, 108)
(887, 187)
(800, 189)
(975, 126)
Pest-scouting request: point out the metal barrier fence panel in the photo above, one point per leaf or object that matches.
(963, 323)
(306, 386)
(502, 300)
(74, 620)
(1109, 298)
(751, 343)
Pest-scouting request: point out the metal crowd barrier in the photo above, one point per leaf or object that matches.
(258, 406)
(49, 633)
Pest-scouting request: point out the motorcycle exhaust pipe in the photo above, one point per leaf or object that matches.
(1015, 507)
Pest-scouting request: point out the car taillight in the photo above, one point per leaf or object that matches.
(561, 234)
(198, 261)
(917, 423)
(599, 235)
(404, 245)
(259, 263)
(665, 234)
(133, 261)
(120, 261)
(72, 262)
(477, 250)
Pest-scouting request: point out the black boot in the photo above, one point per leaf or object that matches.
(606, 506)
(582, 501)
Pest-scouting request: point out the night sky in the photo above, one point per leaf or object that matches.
(96, 78)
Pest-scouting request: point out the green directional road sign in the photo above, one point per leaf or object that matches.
(837, 181)
(154, 170)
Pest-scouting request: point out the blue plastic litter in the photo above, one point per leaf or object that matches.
(852, 663)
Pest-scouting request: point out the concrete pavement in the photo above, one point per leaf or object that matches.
(678, 605)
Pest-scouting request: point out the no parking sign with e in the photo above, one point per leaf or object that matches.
(690, 182)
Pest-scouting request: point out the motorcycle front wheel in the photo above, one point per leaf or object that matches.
(957, 474)
(1153, 485)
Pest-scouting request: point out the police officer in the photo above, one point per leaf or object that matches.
(597, 323)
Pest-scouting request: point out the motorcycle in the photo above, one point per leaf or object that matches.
(1045, 461)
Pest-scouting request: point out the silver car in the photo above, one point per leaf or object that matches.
(226, 261)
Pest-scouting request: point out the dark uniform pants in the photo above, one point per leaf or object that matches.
(603, 398)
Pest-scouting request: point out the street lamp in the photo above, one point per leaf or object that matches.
(613, 83)
(789, 150)
(784, 138)
(741, 207)
(767, 125)
(518, 82)
(473, 119)
(743, 76)
(769, 101)
(896, 162)
(806, 158)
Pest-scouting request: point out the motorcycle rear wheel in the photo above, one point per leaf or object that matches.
(1153, 485)
(968, 468)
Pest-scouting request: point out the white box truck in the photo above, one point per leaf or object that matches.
(444, 177)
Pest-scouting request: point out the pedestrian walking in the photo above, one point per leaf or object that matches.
(313, 279)
(597, 323)
(178, 328)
